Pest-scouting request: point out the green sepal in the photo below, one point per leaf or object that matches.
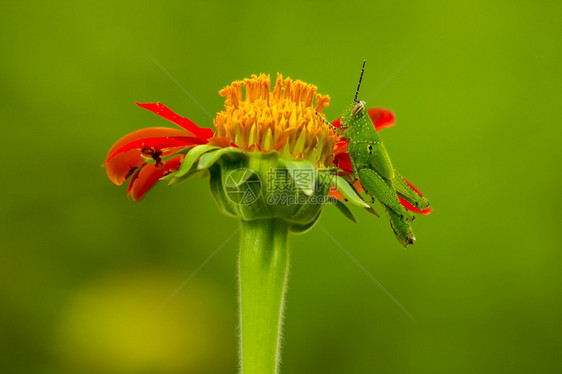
(209, 158)
(174, 180)
(302, 228)
(237, 182)
(148, 160)
(217, 191)
(191, 158)
(267, 200)
(204, 173)
(294, 167)
(348, 191)
(372, 210)
(342, 208)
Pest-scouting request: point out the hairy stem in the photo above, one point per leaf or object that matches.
(264, 265)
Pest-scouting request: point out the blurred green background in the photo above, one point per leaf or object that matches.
(87, 277)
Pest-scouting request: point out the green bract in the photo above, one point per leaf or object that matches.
(258, 185)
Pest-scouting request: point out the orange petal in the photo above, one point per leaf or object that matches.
(336, 194)
(148, 175)
(343, 162)
(340, 147)
(223, 141)
(150, 132)
(164, 145)
(122, 165)
(165, 112)
(382, 118)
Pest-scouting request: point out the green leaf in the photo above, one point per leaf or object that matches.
(348, 191)
(191, 158)
(342, 208)
(208, 159)
(303, 174)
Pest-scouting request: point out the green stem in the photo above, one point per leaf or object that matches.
(264, 265)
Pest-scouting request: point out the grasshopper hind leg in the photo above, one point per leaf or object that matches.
(402, 230)
(404, 190)
(383, 191)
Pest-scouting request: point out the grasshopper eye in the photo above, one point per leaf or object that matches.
(358, 108)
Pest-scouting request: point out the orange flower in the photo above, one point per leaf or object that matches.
(257, 120)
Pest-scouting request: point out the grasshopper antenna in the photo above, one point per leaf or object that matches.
(359, 84)
(337, 130)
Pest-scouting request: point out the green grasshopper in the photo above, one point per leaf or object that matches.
(372, 166)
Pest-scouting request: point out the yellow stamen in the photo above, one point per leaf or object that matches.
(282, 120)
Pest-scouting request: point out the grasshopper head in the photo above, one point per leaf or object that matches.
(358, 108)
(354, 111)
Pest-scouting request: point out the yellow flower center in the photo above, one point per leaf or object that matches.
(282, 120)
